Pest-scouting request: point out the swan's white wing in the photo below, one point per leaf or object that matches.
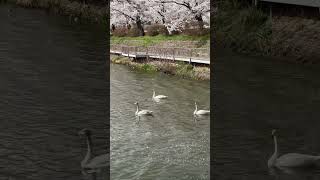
(156, 99)
(144, 112)
(161, 97)
(202, 112)
(98, 162)
(296, 160)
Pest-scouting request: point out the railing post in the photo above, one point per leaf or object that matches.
(174, 52)
(166, 53)
(147, 53)
(128, 51)
(190, 56)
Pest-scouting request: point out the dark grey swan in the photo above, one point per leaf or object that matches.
(290, 159)
(92, 164)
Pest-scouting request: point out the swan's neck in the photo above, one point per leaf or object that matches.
(195, 111)
(275, 146)
(274, 157)
(89, 150)
(137, 108)
(154, 94)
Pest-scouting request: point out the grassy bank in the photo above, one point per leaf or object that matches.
(74, 9)
(248, 30)
(296, 38)
(200, 41)
(243, 29)
(179, 69)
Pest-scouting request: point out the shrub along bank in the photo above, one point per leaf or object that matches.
(180, 69)
(89, 10)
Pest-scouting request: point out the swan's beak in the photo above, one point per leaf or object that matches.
(83, 132)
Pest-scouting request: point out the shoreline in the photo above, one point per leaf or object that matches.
(171, 68)
(76, 10)
(253, 33)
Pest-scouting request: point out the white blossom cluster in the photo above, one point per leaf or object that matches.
(173, 14)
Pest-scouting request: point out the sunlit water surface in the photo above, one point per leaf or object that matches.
(170, 145)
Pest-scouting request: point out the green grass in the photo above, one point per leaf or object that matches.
(179, 69)
(243, 28)
(185, 70)
(153, 40)
(145, 67)
(148, 68)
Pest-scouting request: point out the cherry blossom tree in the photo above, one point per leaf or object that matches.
(184, 11)
(174, 14)
(130, 11)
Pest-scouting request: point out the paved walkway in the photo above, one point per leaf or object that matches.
(192, 55)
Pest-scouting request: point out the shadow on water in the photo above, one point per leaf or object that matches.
(252, 96)
(52, 76)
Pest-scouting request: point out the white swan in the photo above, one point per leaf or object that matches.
(92, 164)
(200, 112)
(142, 112)
(290, 159)
(158, 97)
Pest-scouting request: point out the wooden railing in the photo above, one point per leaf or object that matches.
(164, 52)
(169, 43)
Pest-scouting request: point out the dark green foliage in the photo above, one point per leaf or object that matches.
(243, 28)
(154, 30)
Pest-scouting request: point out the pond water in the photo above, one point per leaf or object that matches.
(170, 145)
(52, 76)
(252, 96)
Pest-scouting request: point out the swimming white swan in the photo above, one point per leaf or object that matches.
(142, 112)
(92, 164)
(158, 97)
(290, 159)
(200, 112)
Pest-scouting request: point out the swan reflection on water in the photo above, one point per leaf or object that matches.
(92, 165)
(287, 173)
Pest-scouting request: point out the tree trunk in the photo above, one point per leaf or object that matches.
(163, 20)
(140, 27)
(113, 27)
(200, 21)
(128, 26)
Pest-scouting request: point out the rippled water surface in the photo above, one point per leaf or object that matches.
(170, 145)
(52, 84)
(252, 96)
